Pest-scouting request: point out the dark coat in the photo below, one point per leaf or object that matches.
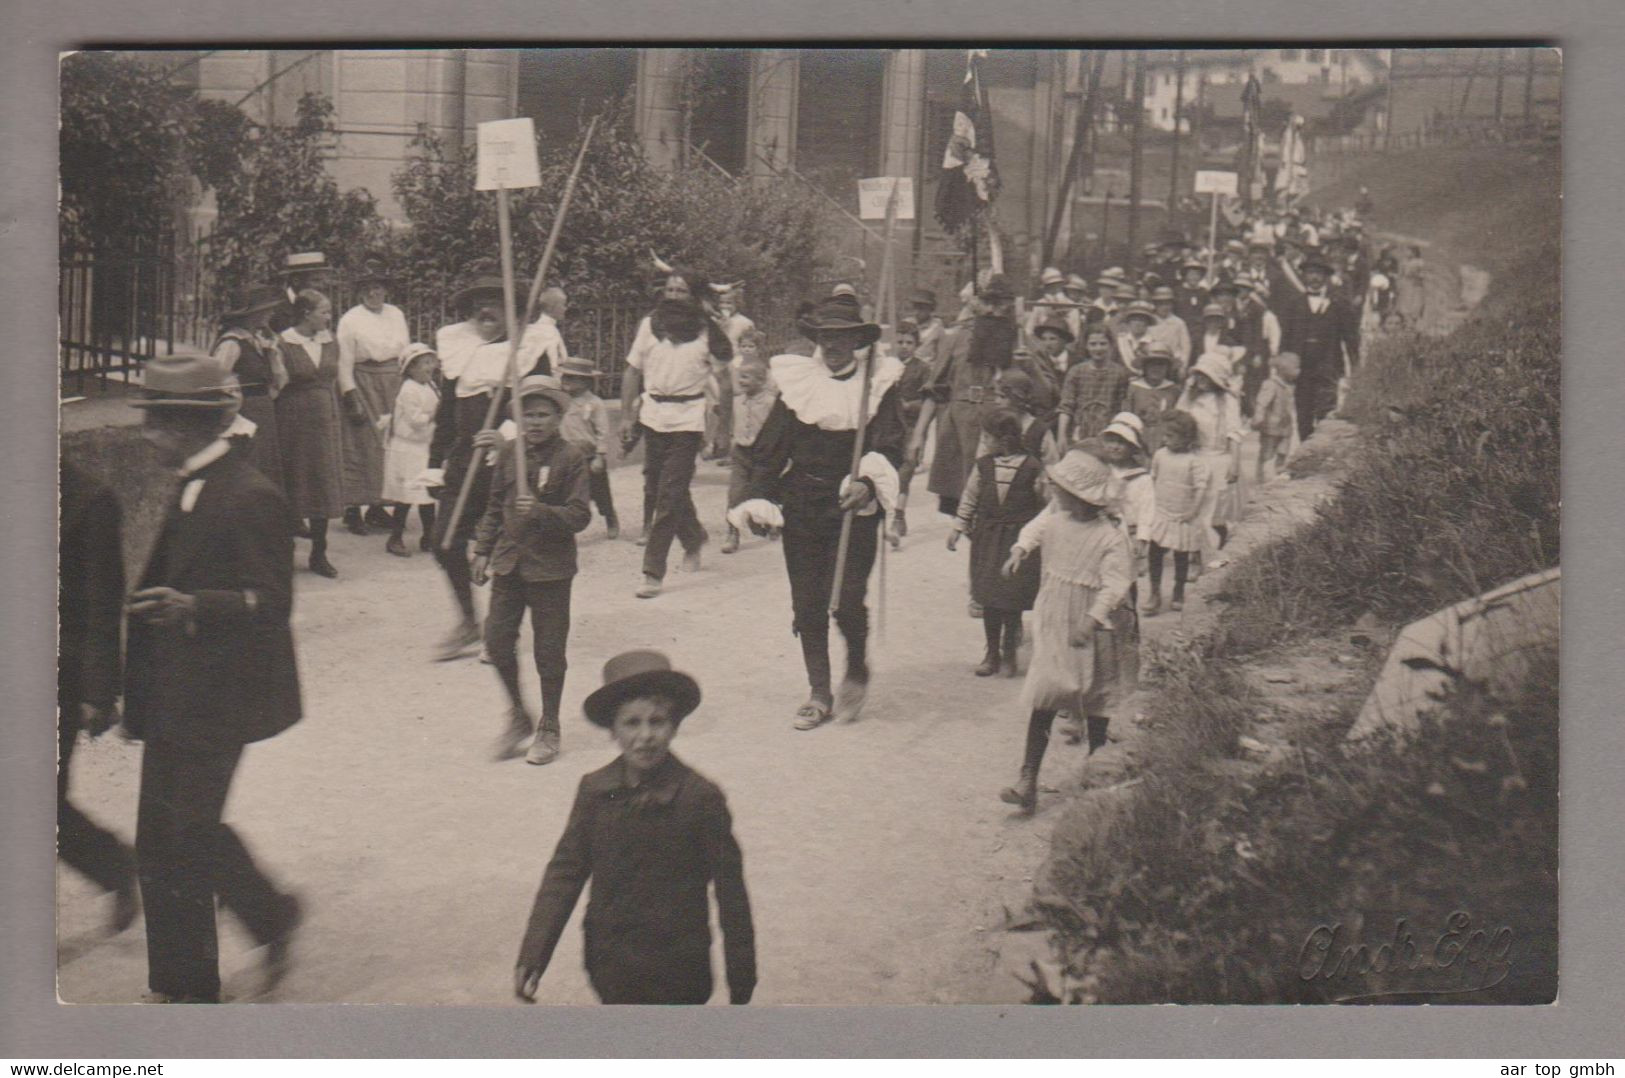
(543, 546)
(229, 677)
(1320, 339)
(90, 595)
(651, 851)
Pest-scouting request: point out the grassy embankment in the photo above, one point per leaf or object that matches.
(1207, 883)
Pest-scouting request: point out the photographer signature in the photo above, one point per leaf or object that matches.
(1463, 958)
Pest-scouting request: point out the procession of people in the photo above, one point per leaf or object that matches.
(1074, 441)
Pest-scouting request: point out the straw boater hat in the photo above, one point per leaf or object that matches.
(188, 379)
(1126, 293)
(545, 385)
(1106, 284)
(302, 262)
(413, 351)
(633, 674)
(1140, 309)
(1213, 310)
(1216, 367)
(1051, 275)
(1192, 264)
(1081, 475)
(1056, 326)
(836, 313)
(576, 367)
(1114, 272)
(1162, 292)
(1075, 282)
(924, 297)
(1129, 427)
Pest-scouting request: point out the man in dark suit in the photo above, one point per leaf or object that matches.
(90, 607)
(1324, 330)
(210, 669)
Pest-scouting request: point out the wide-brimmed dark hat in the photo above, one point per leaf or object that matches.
(997, 287)
(480, 288)
(187, 379)
(838, 313)
(632, 674)
(924, 297)
(1317, 262)
(373, 271)
(1057, 326)
(253, 300)
(1225, 286)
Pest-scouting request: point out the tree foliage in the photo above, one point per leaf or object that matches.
(124, 141)
(765, 233)
(275, 195)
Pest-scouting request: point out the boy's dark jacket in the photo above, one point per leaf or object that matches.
(650, 850)
(540, 545)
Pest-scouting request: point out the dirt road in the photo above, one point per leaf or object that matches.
(877, 854)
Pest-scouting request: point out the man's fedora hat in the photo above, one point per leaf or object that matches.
(188, 379)
(545, 385)
(633, 674)
(838, 313)
(924, 297)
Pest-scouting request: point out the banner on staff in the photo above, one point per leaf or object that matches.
(507, 155)
(873, 193)
(1216, 183)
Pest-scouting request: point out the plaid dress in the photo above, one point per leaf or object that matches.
(1091, 395)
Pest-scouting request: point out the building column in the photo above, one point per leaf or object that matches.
(903, 113)
(902, 123)
(775, 76)
(659, 113)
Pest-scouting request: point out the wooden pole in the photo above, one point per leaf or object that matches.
(845, 543)
(1135, 160)
(1080, 140)
(515, 405)
(1213, 232)
(1388, 101)
(461, 504)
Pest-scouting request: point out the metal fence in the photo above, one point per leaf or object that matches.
(119, 308)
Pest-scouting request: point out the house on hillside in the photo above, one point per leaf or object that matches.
(1216, 76)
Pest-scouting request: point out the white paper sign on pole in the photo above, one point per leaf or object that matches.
(873, 193)
(507, 155)
(1216, 183)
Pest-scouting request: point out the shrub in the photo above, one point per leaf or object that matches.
(766, 232)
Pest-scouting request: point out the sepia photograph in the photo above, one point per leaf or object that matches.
(809, 525)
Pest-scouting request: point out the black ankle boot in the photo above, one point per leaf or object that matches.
(353, 521)
(990, 663)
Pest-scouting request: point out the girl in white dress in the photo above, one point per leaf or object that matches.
(1084, 660)
(1213, 404)
(406, 458)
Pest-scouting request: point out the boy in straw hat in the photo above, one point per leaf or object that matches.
(526, 546)
(210, 668)
(652, 834)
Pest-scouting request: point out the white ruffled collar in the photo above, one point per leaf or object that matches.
(820, 399)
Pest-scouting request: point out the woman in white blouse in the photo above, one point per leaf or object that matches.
(371, 337)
